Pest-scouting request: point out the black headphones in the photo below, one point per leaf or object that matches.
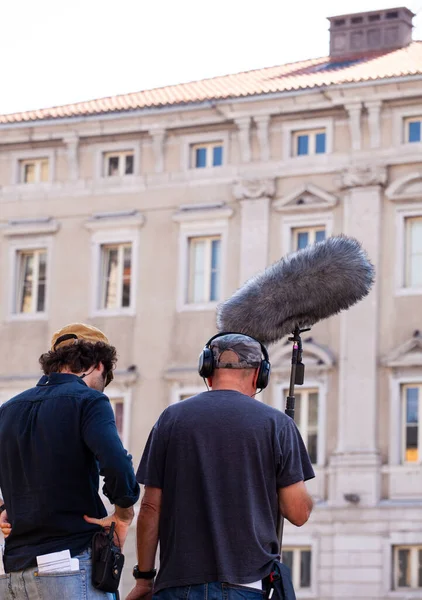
(206, 364)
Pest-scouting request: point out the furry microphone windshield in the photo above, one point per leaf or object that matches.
(300, 289)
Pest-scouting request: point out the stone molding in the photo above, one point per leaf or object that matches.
(408, 354)
(307, 197)
(253, 189)
(363, 176)
(408, 187)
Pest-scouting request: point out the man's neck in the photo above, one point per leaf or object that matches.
(234, 387)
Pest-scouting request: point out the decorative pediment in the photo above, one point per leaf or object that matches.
(408, 187)
(306, 198)
(316, 357)
(408, 354)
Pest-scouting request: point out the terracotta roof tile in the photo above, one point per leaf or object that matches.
(305, 74)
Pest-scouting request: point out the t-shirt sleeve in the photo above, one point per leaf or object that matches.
(292, 460)
(151, 468)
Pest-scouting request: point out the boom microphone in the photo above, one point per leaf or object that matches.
(300, 289)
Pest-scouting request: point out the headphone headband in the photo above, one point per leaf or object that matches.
(221, 334)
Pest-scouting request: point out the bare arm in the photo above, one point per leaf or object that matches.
(5, 526)
(147, 540)
(295, 504)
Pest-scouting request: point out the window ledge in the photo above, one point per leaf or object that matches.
(198, 307)
(202, 213)
(114, 312)
(31, 227)
(409, 291)
(102, 221)
(41, 316)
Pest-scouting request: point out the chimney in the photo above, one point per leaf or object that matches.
(365, 32)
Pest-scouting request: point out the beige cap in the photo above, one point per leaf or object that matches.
(77, 331)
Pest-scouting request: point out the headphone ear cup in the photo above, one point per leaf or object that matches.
(206, 363)
(263, 375)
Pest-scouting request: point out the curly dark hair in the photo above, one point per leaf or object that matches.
(79, 357)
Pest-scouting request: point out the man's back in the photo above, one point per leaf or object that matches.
(219, 458)
(49, 436)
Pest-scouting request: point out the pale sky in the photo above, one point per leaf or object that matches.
(55, 51)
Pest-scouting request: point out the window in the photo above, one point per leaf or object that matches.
(413, 245)
(206, 155)
(204, 269)
(413, 129)
(118, 406)
(407, 567)
(118, 164)
(411, 431)
(306, 415)
(304, 236)
(31, 281)
(299, 562)
(116, 274)
(307, 143)
(34, 170)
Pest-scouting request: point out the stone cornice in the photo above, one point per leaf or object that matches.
(252, 189)
(363, 176)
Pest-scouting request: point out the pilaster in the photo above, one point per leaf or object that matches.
(355, 111)
(254, 197)
(262, 123)
(158, 137)
(72, 144)
(244, 136)
(355, 466)
(374, 121)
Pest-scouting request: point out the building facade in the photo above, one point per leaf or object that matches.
(139, 213)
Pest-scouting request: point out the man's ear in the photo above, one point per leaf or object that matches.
(255, 379)
(209, 381)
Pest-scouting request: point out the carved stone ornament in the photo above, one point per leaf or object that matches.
(363, 176)
(408, 354)
(252, 189)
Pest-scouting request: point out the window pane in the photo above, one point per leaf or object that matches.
(302, 240)
(305, 568)
(26, 282)
(298, 408)
(420, 568)
(127, 273)
(200, 158)
(29, 173)
(118, 407)
(44, 170)
(414, 131)
(217, 156)
(320, 143)
(215, 270)
(302, 145)
(42, 265)
(129, 164)
(414, 252)
(320, 235)
(113, 166)
(313, 410)
(110, 275)
(412, 424)
(312, 447)
(403, 576)
(197, 274)
(288, 559)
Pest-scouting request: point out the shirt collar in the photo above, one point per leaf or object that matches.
(58, 378)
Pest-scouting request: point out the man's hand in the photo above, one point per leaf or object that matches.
(142, 589)
(122, 517)
(5, 526)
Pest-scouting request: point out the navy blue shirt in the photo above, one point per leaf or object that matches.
(219, 458)
(55, 440)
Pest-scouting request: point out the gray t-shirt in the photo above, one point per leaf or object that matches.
(219, 458)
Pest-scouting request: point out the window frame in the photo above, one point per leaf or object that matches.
(33, 155)
(213, 223)
(117, 392)
(397, 539)
(403, 387)
(312, 142)
(209, 147)
(403, 213)
(37, 162)
(295, 572)
(120, 273)
(294, 539)
(308, 229)
(290, 223)
(27, 245)
(101, 150)
(414, 566)
(307, 126)
(121, 154)
(208, 239)
(220, 137)
(118, 236)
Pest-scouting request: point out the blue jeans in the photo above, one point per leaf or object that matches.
(210, 591)
(75, 585)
